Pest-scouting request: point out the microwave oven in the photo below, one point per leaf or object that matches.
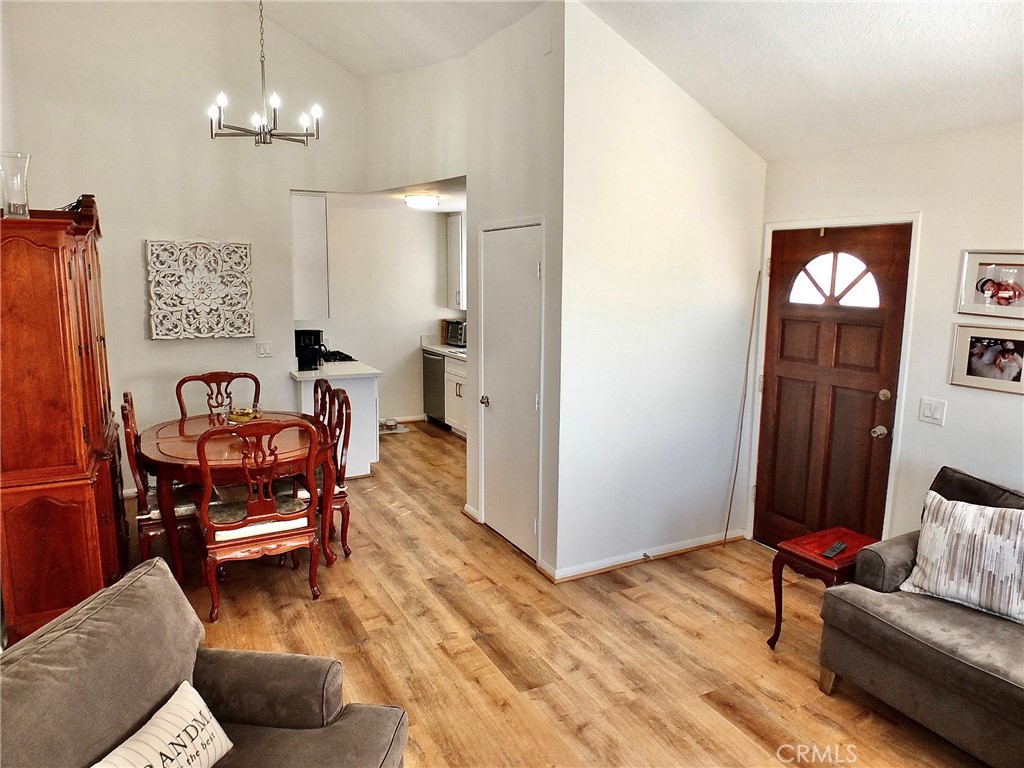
(455, 333)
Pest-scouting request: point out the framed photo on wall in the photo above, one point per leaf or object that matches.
(988, 358)
(992, 283)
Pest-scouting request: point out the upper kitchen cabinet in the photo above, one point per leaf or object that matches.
(310, 299)
(457, 261)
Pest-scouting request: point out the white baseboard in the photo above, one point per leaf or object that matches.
(468, 511)
(631, 558)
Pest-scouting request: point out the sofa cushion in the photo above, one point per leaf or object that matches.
(971, 554)
(970, 651)
(364, 736)
(957, 485)
(78, 686)
(181, 734)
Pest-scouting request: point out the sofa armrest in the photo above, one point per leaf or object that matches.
(885, 565)
(281, 690)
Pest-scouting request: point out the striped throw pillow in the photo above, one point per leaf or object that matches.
(182, 734)
(972, 555)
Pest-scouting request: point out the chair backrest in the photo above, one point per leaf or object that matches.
(259, 446)
(321, 399)
(131, 447)
(218, 389)
(339, 425)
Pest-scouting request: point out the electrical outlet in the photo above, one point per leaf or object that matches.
(932, 411)
(263, 349)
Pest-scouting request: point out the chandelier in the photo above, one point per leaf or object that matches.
(264, 131)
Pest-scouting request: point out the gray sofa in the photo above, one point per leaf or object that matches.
(79, 686)
(956, 670)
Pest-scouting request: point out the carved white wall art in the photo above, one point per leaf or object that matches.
(199, 289)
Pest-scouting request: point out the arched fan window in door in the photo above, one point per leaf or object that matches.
(835, 278)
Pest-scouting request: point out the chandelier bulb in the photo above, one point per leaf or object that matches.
(257, 120)
(304, 121)
(275, 100)
(222, 100)
(213, 112)
(316, 112)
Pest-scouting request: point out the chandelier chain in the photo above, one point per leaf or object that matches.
(263, 57)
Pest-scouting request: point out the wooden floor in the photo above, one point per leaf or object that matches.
(660, 664)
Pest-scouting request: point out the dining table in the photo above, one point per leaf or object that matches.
(168, 452)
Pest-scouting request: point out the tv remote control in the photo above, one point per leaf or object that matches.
(834, 550)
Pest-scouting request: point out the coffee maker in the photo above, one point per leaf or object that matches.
(309, 348)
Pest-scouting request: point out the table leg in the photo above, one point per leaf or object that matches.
(777, 566)
(327, 512)
(165, 499)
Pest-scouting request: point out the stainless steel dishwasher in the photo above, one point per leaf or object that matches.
(433, 386)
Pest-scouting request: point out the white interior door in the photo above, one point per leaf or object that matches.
(510, 340)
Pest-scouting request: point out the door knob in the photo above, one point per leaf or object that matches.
(879, 431)
(485, 401)
(884, 394)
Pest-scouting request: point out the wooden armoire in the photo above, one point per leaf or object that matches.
(63, 532)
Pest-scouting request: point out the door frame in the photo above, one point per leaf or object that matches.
(497, 226)
(902, 413)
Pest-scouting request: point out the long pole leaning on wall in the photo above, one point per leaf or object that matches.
(743, 406)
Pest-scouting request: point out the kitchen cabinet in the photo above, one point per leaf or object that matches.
(457, 261)
(455, 395)
(310, 292)
(362, 384)
(63, 531)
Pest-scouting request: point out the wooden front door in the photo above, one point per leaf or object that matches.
(832, 352)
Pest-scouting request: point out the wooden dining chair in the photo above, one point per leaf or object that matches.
(218, 389)
(339, 427)
(262, 524)
(321, 407)
(148, 521)
(321, 399)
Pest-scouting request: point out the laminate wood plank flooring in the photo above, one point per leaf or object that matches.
(660, 664)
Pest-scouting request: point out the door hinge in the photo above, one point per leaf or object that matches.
(536, 527)
(85, 433)
(768, 269)
(538, 270)
(536, 402)
(760, 383)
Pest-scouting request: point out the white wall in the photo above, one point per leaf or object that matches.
(388, 284)
(662, 243)
(969, 190)
(111, 99)
(418, 122)
(514, 173)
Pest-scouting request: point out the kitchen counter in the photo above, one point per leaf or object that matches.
(361, 383)
(350, 370)
(433, 344)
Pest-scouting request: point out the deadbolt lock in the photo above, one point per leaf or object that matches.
(884, 394)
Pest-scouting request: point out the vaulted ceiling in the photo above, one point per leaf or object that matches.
(788, 78)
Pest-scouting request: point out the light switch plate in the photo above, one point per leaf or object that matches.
(263, 349)
(932, 411)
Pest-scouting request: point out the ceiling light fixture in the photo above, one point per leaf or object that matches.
(264, 131)
(422, 202)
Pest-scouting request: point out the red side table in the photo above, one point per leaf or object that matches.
(803, 555)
